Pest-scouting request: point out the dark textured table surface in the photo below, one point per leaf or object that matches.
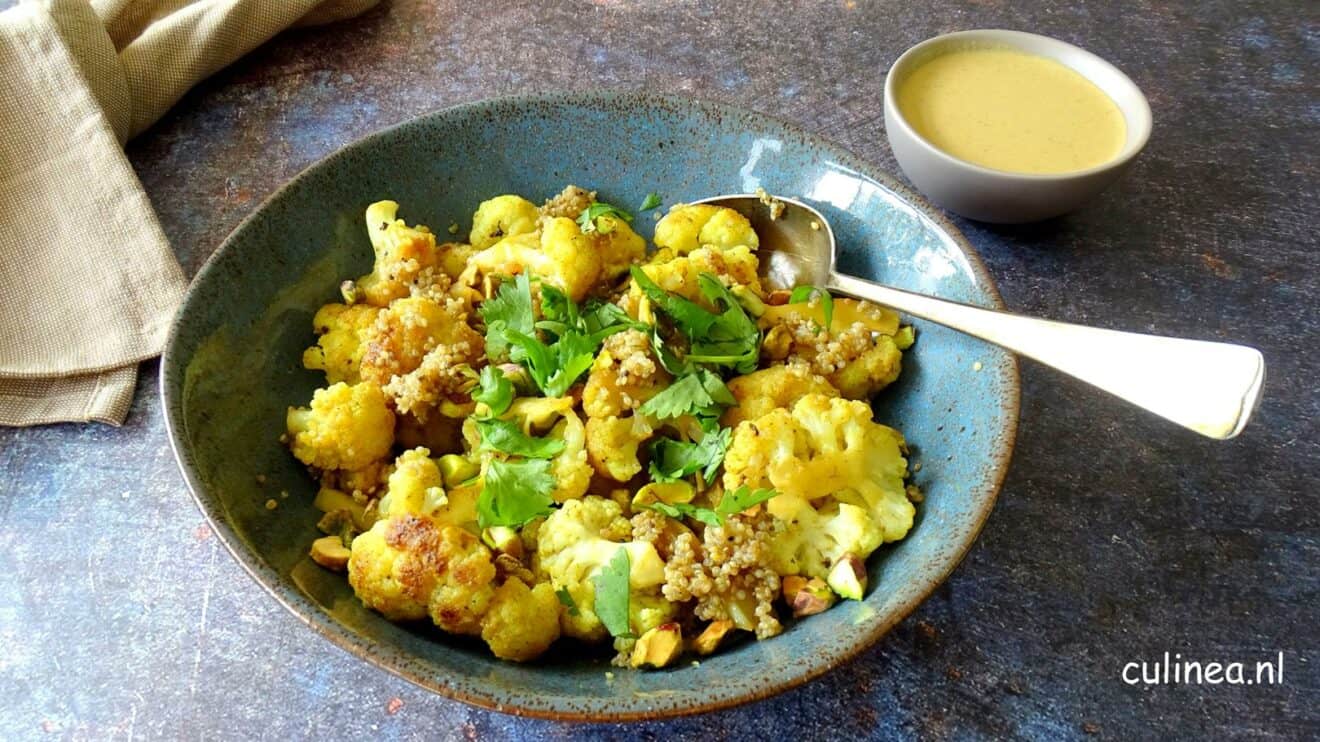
(1117, 537)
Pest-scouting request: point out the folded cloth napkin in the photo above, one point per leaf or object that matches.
(88, 280)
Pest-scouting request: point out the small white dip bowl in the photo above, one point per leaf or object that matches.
(1000, 196)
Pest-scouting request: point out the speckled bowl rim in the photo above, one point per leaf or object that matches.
(365, 649)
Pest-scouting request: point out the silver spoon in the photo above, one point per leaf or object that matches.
(1211, 388)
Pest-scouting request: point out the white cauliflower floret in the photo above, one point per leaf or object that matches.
(416, 487)
(347, 427)
(500, 217)
(575, 542)
(826, 453)
(409, 566)
(686, 228)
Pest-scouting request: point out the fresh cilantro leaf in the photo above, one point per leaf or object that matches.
(651, 201)
(668, 359)
(689, 317)
(728, 338)
(575, 337)
(680, 510)
(494, 390)
(598, 316)
(506, 436)
(804, 293)
(566, 600)
(672, 460)
(736, 501)
(612, 594)
(587, 219)
(515, 492)
(510, 310)
(700, 392)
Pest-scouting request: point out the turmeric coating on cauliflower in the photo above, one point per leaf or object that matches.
(566, 454)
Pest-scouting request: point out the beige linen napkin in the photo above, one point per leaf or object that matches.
(87, 279)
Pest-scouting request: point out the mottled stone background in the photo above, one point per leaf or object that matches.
(1117, 537)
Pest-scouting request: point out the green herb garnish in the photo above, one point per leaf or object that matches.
(494, 390)
(566, 600)
(612, 595)
(672, 460)
(587, 219)
(651, 201)
(515, 492)
(733, 502)
(700, 392)
(803, 294)
(725, 338)
(509, 310)
(505, 436)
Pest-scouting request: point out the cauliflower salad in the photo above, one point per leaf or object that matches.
(553, 430)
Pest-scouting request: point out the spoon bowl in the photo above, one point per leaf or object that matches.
(1211, 388)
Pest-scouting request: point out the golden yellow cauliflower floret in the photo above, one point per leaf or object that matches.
(570, 468)
(500, 217)
(338, 351)
(827, 452)
(771, 388)
(576, 257)
(559, 253)
(408, 566)
(522, 622)
(857, 355)
(347, 427)
(403, 254)
(612, 444)
(733, 267)
(619, 246)
(416, 487)
(409, 329)
(624, 375)
(686, 228)
(572, 545)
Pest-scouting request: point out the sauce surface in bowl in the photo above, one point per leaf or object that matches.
(1010, 110)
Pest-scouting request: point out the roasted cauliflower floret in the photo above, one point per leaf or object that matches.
(619, 246)
(688, 227)
(403, 254)
(416, 487)
(624, 375)
(576, 257)
(522, 622)
(346, 427)
(815, 537)
(612, 444)
(408, 566)
(733, 267)
(572, 545)
(829, 453)
(857, 355)
(725, 572)
(409, 329)
(343, 331)
(771, 388)
(559, 253)
(500, 217)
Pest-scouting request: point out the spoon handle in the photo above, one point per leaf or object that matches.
(1211, 388)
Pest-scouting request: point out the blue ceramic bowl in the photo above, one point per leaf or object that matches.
(232, 367)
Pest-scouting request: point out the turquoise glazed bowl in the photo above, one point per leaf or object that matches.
(233, 366)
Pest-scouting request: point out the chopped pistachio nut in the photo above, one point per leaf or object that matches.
(848, 577)
(807, 597)
(329, 552)
(455, 469)
(658, 647)
(504, 540)
(670, 493)
(709, 639)
(749, 300)
(349, 291)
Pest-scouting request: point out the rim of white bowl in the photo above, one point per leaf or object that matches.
(1135, 111)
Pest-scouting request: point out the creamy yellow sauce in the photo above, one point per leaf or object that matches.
(1010, 110)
